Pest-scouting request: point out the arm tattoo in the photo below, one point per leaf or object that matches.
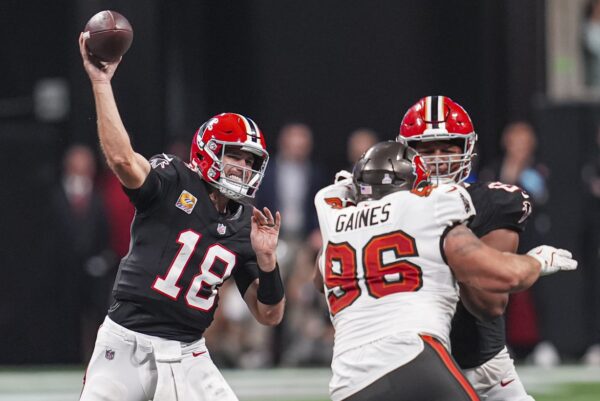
(468, 242)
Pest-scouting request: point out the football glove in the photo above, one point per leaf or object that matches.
(342, 175)
(553, 259)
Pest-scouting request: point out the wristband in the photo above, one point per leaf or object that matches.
(270, 287)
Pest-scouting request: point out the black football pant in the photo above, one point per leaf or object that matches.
(432, 376)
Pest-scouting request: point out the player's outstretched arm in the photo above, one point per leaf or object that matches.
(131, 168)
(488, 305)
(265, 297)
(483, 267)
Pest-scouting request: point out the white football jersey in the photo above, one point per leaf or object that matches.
(383, 265)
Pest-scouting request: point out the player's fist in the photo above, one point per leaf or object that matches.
(553, 259)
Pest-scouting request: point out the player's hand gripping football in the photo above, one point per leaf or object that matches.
(98, 71)
(264, 236)
(553, 259)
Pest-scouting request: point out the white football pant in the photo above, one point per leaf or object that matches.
(497, 380)
(129, 366)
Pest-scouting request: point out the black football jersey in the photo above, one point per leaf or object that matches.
(498, 206)
(182, 250)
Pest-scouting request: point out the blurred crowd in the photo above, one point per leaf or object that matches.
(90, 210)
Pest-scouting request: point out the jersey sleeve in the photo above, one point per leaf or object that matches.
(453, 205)
(501, 206)
(160, 177)
(245, 275)
(337, 196)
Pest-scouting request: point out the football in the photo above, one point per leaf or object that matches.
(108, 35)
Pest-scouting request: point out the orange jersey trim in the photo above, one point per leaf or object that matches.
(454, 370)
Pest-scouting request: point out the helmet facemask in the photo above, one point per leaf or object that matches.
(233, 186)
(457, 165)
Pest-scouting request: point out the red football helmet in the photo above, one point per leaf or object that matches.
(438, 118)
(210, 143)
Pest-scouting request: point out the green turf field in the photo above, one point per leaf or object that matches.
(571, 392)
(565, 383)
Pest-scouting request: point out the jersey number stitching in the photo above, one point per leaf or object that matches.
(203, 286)
(513, 188)
(381, 277)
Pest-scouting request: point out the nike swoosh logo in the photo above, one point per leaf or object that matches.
(198, 353)
(506, 383)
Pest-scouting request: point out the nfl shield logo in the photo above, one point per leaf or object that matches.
(109, 354)
(221, 229)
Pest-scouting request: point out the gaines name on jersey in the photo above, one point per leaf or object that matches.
(360, 218)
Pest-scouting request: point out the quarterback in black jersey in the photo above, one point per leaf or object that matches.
(193, 229)
(443, 133)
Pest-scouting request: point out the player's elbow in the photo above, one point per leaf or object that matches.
(486, 306)
(272, 315)
(486, 311)
(119, 163)
(272, 320)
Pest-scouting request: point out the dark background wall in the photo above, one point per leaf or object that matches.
(336, 65)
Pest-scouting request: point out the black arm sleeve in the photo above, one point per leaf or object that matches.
(245, 275)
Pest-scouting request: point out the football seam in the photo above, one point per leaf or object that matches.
(110, 30)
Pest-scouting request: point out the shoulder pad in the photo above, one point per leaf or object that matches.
(337, 196)
(161, 161)
(500, 206)
(167, 166)
(453, 204)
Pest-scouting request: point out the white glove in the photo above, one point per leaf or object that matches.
(342, 175)
(553, 259)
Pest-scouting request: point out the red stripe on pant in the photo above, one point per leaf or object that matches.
(449, 362)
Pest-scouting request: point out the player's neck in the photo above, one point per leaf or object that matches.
(219, 201)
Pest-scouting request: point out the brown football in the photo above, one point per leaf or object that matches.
(109, 35)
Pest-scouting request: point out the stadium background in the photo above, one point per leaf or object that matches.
(335, 65)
